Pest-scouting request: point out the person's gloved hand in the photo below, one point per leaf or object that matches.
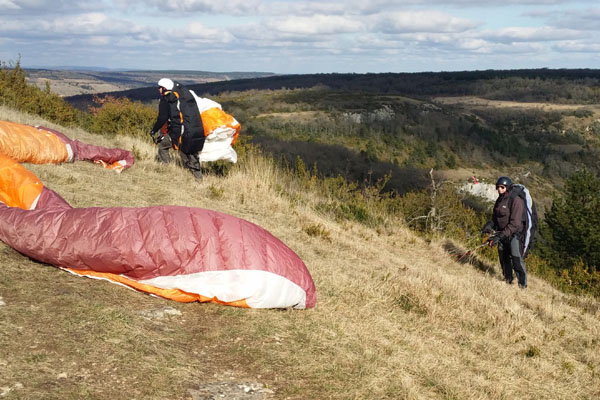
(157, 137)
(487, 228)
(493, 240)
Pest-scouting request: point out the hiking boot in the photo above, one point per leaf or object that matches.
(198, 175)
(522, 286)
(508, 281)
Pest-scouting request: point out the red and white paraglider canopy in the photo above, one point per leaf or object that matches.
(182, 253)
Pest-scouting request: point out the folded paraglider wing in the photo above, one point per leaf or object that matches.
(24, 143)
(221, 131)
(182, 253)
(18, 187)
(39, 145)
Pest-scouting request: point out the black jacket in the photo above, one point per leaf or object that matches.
(168, 112)
(508, 221)
(178, 106)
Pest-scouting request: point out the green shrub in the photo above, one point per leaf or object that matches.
(571, 228)
(121, 116)
(568, 367)
(577, 279)
(444, 213)
(15, 92)
(583, 113)
(317, 230)
(581, 279)
(216, 192)
(531, 351)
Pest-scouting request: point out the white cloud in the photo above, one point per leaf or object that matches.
(421, 21)
(578, 47)
(588, 20)
(174, 7)
(312, 35)
(6, 5)
(315, 25)
(313, 7)
(83, 23)
(201, 33)
(475, 45)
(47, 8)
(529, 34)
(99, 40)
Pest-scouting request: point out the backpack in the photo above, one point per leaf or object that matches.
(192, 136)
(530, 217)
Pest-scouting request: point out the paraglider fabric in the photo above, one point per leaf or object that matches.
(39, 145)
(221, 131)
(181, 253)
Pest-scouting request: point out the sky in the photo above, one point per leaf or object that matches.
(302, 36)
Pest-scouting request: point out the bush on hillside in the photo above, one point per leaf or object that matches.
(571, 228)
(16, 93)
(120, 116)
(408, 133)
(347, 200)
(441, 210)
(577, 279)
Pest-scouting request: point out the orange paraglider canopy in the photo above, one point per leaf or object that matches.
(25, 143)
(18, 187)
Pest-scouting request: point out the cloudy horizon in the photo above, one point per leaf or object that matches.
(304, 36)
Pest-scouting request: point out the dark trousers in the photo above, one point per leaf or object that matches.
(509, 252)
(191, 162)
(163, 149)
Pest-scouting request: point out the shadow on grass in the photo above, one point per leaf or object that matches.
(334, 160)
(463, 256)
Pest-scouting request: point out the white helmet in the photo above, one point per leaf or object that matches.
(166, 83)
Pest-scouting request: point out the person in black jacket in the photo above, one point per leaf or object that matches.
(179, 126)
(507, 225)
(160, 130)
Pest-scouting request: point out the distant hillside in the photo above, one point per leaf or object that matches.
(560, 86)
(367, 126)
(70, 82)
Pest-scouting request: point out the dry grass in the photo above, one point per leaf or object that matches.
(396, 317)
(480, 102)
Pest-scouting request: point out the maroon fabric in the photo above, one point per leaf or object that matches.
(89, 152)
(143, 243)
(49, 199)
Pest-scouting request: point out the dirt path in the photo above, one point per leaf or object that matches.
(480, 102)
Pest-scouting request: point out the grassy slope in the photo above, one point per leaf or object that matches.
(396, 317)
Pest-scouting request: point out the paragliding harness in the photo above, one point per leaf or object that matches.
(192, 136)
(164, 131)
(529, 218)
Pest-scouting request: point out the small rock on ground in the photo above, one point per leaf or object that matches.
(231, 391)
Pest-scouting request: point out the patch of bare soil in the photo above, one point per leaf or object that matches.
(474, 101)
(297, 115)
(230, 390)
(466, 175)
(83, 338)
(72, 87)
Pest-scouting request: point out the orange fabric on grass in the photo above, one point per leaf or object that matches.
(24, 143)
(173, 294)
(18, 187)
(116, 166)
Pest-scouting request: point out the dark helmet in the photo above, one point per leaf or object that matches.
(505, 181)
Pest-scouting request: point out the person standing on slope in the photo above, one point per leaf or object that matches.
(507, 225)
(178, 125)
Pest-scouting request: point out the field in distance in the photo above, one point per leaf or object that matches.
(73, 82)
